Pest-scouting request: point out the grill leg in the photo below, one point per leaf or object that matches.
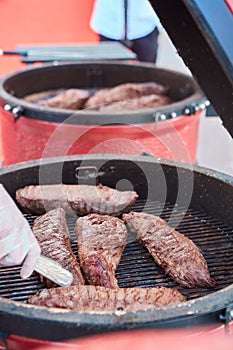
(3, 341)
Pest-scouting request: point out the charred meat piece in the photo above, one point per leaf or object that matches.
(68, 99)
(52, 233)
(124, 92)
(176, 254)
(75, 199)
(150, 101)
(101, 241)
(101, 299)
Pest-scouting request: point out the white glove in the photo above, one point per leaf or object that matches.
(17, 241)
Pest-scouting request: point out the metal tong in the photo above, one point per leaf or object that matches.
(53, 271)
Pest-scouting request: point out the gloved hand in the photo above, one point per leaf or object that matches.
(17, 241)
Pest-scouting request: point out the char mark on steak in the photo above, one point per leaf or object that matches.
(101, 299)
(179, 257)
(52, 233)
(124, 92)
(75, 199)
(101, 242)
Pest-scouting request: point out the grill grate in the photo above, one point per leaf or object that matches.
(137, 268)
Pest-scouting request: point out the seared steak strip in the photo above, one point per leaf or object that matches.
(43, 95)
(123, 92)
(101, 241)
(52, 233)
(176, 254)
(68, 99)
(75, 199)
(148, 101)
(92, 298)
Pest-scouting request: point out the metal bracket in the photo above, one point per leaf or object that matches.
(17, 111)
(86, 173)
(227, 318)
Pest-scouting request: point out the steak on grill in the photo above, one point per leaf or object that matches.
(101, 241)
(150, 101)
(75, 199)
(123, 92)
(176, 254)
(52, 233)
(101, 299)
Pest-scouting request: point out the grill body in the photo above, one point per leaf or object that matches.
(31, 132)
(182, 194)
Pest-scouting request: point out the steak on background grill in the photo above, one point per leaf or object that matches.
(148, 101)
(101, 299)
(52, 233)
(42, 95)
(75, 199)
(68, 99)
(179, 257)
(101, 241)
(124, 92)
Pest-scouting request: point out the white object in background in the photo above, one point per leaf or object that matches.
(215, 146)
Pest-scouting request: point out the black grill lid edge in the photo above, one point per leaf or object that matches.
(202, 52)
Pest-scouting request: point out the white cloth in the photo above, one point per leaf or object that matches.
(17, 241)
(107, 19)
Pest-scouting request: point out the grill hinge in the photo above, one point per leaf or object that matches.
(227, 318)
(87, 174)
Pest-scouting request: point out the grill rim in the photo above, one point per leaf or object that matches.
(196, 307)
(73, 322)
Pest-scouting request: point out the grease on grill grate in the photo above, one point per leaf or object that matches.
(137, 268)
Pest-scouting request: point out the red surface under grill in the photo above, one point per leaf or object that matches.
(29, 139)
(192, 339)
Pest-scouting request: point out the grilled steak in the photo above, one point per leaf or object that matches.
(69, 99)
(124, 92)
(150, 101)
(99, 299)
(52, 233)
(101, 241)
(176, 254)
(75, 199)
